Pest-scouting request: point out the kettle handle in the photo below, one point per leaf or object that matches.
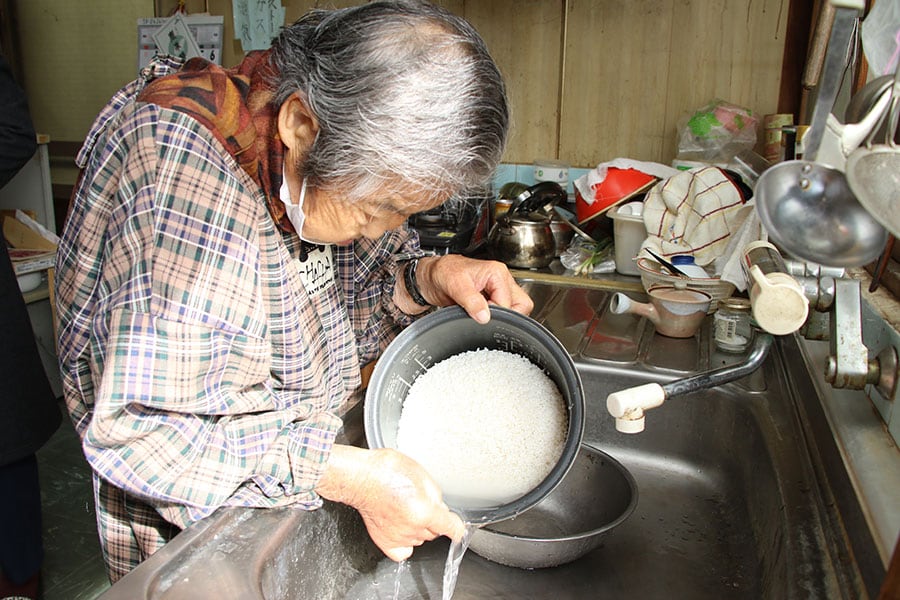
(544, 194)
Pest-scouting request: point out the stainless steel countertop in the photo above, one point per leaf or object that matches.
(867, 450)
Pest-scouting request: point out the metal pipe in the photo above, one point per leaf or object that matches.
(629, 406)
(709, 379)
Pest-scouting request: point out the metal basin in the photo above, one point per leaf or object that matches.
(597, 495)
(732, 497)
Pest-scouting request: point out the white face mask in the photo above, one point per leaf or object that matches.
(294, 211)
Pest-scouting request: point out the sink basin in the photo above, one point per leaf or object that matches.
(732, 499)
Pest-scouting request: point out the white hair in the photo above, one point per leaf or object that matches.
(407, 97)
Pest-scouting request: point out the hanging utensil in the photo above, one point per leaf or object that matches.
(808, 208)
(540, 197)
(841, 139)
(862, 102)
(873, 171)
(810, 211)
(882, 263)
(832, 71)
(569, 217)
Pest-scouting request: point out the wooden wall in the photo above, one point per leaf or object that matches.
(74, 56)
(634, 68)
(588, 80)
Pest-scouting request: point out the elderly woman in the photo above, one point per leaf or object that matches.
(236, 249)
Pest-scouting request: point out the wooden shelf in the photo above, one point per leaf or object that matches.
(41, 292)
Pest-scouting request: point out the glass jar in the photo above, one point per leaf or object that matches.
(732, 330)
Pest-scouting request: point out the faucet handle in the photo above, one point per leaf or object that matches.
(848, 363)
(628, 405)
(779, 303)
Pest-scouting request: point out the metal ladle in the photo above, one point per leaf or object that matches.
(808, 208)
(569, 218)
(873, 171)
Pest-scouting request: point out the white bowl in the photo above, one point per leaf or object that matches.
(29, 281)
(652, 274)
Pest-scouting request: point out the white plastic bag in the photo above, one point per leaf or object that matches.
(880, 34)
(716, 132)
(585, 257)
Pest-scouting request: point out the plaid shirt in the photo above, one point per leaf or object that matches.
(196, 367)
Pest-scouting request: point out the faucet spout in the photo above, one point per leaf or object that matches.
(723, 375)
(628, 406)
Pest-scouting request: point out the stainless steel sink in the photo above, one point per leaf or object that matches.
(734, 497)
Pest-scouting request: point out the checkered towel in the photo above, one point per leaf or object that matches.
(704, 213)
(695, 213)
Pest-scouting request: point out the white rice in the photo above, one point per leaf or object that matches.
(486, 424)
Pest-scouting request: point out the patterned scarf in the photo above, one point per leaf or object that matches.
(234, 104)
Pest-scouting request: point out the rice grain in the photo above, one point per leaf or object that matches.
(488, 425)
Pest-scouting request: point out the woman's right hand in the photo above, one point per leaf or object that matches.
(400, 503)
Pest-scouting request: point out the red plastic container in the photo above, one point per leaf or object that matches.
(619, 186)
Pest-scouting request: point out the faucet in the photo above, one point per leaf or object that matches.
(628, 406)
(837, 317)
(838, 302)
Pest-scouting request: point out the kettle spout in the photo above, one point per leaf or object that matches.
(621, 304)
(675, 313)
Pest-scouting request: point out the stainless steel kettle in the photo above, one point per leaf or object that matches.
(523, 237)
(523, 241)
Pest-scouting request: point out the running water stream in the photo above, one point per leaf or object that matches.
(402, 567)
(451, 566)
(454, 557)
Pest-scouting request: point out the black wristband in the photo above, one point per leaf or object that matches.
(412, 286)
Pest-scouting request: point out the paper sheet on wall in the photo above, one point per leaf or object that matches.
(175, 39)
(256, 22)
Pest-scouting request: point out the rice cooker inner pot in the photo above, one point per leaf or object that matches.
(450, 331)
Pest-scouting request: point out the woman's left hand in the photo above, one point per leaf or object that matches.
(472, 284)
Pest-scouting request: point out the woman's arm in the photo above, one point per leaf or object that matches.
(380, 306)
(400, 504)
(470, 283)
(171, 315)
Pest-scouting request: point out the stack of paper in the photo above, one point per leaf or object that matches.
(33, 248)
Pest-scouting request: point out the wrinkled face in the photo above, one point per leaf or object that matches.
(330, 219)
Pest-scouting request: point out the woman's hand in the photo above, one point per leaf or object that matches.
(400, 503)
(472, 284)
